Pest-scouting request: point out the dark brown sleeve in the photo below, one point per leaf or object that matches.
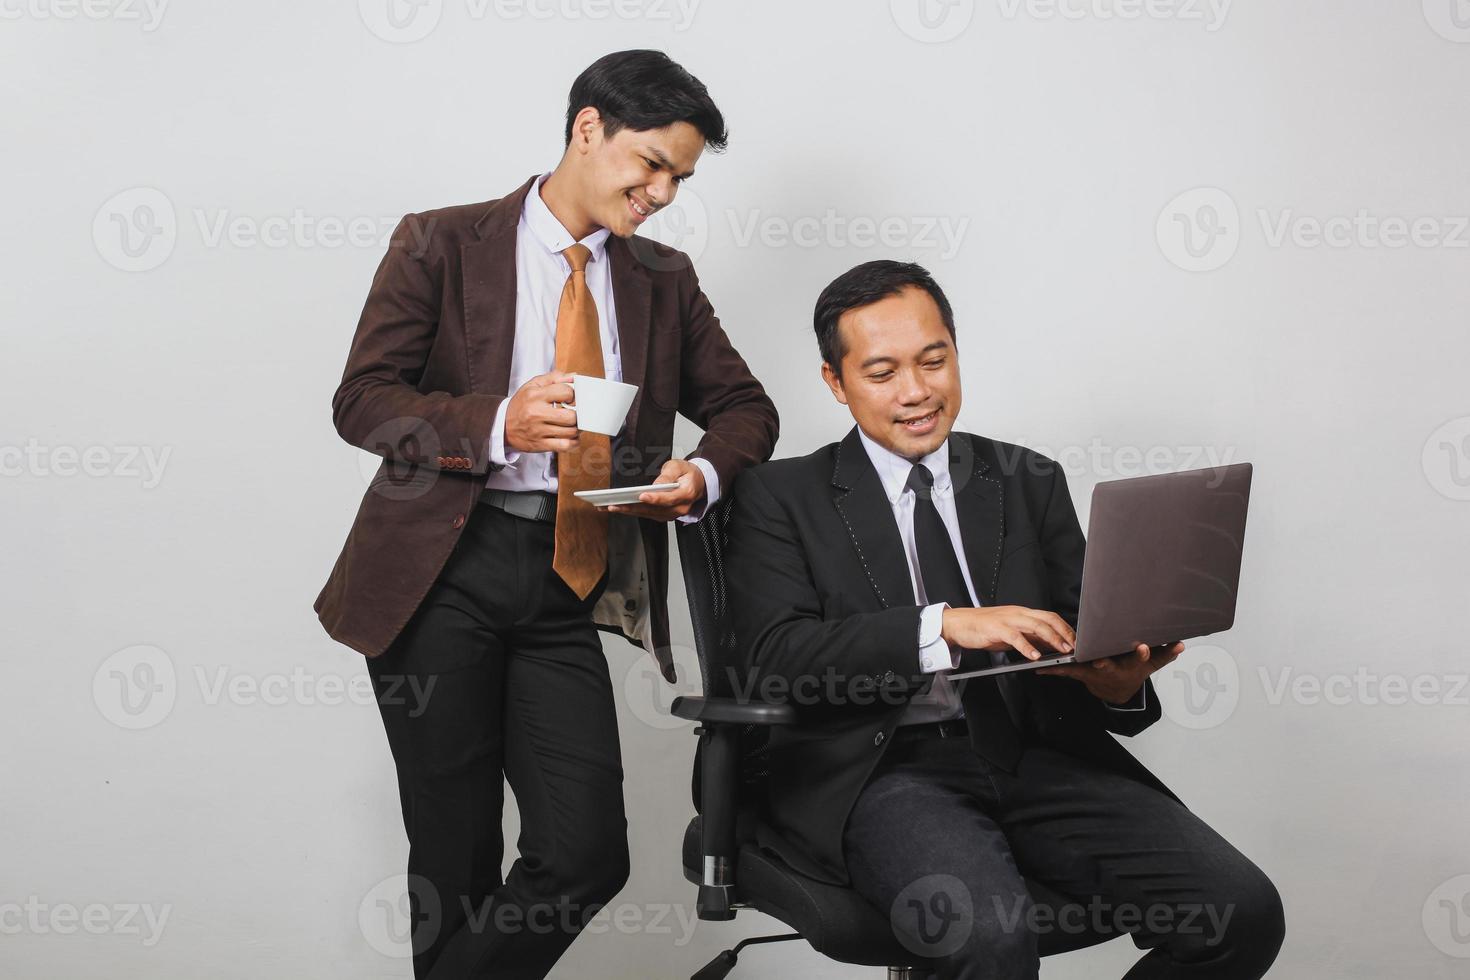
(718, 393)
(378, 406)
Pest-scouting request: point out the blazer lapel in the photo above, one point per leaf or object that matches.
(979, 503)
(633, 299)
(488, 271)
(864, 508)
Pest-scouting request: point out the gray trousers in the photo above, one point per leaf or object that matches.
(940, 840)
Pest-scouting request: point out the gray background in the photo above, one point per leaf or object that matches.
(1130, 193)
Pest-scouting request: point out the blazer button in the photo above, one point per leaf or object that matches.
(878, 739)
(458, 520)
(888, 677)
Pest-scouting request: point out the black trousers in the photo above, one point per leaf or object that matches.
(500, 677)
(940, 840)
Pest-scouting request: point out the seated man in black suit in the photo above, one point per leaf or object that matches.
(859, 576)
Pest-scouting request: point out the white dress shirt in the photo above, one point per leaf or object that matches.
(942, 700)
(541, 275)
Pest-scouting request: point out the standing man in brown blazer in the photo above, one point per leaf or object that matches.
(472, 579)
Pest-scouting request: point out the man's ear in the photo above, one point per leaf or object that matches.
(587, 123)
(834, 381)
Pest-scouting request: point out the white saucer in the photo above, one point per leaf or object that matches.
(620, 495)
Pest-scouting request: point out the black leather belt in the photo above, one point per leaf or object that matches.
(952, 728)
(530, 505)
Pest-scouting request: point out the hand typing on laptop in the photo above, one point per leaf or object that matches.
(996, 628)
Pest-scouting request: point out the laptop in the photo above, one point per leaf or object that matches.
(1162, 564)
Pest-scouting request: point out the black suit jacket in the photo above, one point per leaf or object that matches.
(826, 617)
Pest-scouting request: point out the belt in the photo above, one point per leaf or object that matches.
(530, 505)
(950, 728)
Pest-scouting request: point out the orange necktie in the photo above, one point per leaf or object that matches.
(581, 529)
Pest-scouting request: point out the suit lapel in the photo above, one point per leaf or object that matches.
(633, 300)
(864, 508)
(488, 271)
(979, 503)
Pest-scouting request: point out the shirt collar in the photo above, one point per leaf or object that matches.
(550, 232)
(893, 469)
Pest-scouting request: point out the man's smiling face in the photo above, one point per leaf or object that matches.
(633, 173)
(900, 373)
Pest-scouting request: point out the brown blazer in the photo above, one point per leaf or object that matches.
(429, 366)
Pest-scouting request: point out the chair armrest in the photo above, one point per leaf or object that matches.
(728, 711)
(721, 722)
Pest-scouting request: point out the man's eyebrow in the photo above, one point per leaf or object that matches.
(666, 163)
(881, 358)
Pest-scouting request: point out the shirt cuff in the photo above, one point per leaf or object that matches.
(1139, 702)
(499, 454)
(711, 491)
(934, 653)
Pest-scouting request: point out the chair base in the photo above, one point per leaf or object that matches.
(720, 967)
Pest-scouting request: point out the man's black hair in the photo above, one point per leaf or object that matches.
(645, 90)
(865, 284)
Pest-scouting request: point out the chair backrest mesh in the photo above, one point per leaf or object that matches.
(702, 549)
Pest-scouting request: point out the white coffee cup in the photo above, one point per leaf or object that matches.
(602, 405)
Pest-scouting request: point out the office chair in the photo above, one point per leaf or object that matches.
(720, 854)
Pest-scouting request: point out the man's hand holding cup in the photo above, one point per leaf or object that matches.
(538, 419)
